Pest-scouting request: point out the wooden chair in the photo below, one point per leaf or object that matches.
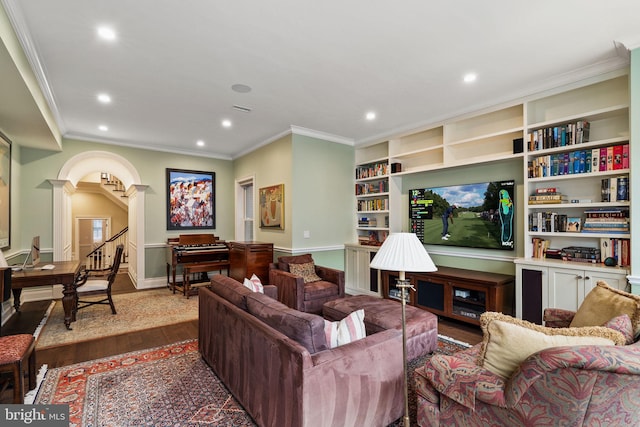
(17, 353)
(92, 282)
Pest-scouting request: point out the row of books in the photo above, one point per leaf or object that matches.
(375, 187)
(560, 136)
(618, 249)
(552, 222)
(615, 189)
(373, 205)
(372, 170)
(602, 159)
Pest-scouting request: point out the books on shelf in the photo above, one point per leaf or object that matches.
(560, 136)
(581, 254)
(580, 161)
(373, 205)
(375, 187)
(372, 170)
(541, 199)
(619, 249)
(606, 220)
(615, 189)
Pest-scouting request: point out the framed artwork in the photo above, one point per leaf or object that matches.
(191, 200)
(272, 207)
(5, 192)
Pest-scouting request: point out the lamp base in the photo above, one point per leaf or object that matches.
(403, 285)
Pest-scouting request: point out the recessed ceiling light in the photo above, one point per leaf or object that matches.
(370, 116)
(106, 33)
(200, 143)
(471, 77)
(103, 128)
(226, 123)
(104, 98)
(240, 88)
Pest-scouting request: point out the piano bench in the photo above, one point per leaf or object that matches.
(199, 267)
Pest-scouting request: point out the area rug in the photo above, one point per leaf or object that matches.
(164, 386)
(136, 311)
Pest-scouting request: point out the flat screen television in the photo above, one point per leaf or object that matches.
(477, 215)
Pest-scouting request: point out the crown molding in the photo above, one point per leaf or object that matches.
(298, 130)
(24, 37)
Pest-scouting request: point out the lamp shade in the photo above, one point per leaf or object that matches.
(403, 252)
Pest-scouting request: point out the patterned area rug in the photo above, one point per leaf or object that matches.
(166, 386)
(136, 311)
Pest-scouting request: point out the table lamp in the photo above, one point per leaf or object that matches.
(403, 252)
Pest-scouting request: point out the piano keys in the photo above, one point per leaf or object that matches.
(195, 248)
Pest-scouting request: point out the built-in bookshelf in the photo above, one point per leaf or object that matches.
(573, 146)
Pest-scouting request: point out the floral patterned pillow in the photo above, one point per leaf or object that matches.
(306, 270)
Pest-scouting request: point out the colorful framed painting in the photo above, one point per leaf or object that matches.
(5, 192)
(272, 207)
(191, 200)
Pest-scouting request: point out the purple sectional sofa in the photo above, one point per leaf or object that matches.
(276, 362)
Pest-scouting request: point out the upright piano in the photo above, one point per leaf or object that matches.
(194, 248)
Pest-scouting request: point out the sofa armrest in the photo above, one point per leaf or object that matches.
(356, 384)
(459, 377)
(332, 275)
(557, 317)
(290, 288)
(271, 291)
(624, 360)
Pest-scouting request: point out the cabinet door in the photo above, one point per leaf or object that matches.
(566, 289)
(358, 272)
(615, 280)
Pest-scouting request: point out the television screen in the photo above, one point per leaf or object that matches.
(472, 215)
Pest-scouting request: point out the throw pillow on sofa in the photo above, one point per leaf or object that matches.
(603, 303)
(508, 341)
(623, 325)
(255, 284)
(344, 331)
(306, 270)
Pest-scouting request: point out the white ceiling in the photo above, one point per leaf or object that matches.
(317, 65)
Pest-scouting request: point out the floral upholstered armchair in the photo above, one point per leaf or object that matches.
(581, 374)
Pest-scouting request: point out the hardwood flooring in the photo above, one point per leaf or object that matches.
(31, 314)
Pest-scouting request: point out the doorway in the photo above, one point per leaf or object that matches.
(91, 233)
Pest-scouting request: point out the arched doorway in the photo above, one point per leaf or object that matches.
(75, 169)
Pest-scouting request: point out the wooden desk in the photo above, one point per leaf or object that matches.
(63, 274)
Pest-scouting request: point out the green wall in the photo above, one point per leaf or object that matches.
(318, 180)
(34, 199)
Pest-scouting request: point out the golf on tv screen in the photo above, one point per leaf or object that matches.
(470, 215)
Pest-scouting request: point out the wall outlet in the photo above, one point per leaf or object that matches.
(306, 234)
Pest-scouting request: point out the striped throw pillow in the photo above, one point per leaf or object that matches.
(254, 284)
(349, 329)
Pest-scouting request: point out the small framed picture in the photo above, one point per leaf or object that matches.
(574, 224)
(272, 207)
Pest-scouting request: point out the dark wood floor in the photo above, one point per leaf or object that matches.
(31, 314)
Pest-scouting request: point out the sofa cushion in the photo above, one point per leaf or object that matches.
(231, 290)
(284, 261)
(344, 331)
(508, 341)
(603, 303)
(307, 270)
(305, 328)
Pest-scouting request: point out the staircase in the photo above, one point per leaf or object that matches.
(101, 258)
